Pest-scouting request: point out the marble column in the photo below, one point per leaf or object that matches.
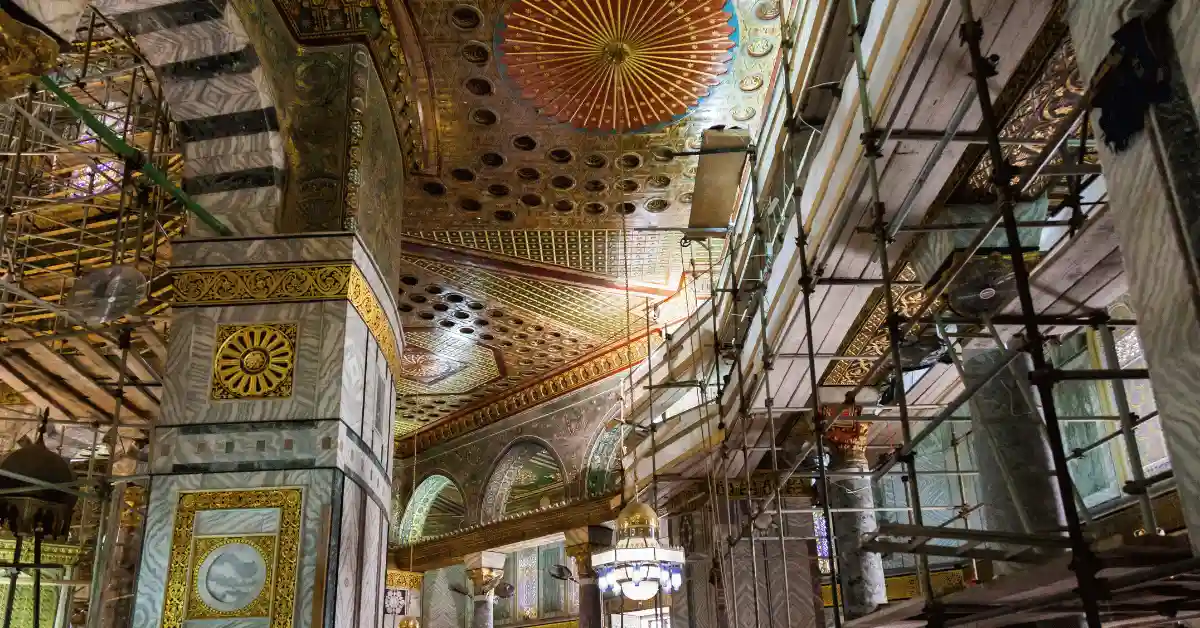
(273, 452)
(1154, 197)
(694, 605)
(402, 598)
(860, 571)
(485, 569)
(1016, 475)
(579, 545)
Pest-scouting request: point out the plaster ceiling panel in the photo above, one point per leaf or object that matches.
(507, 165)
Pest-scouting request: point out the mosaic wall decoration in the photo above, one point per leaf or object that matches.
(217, 576)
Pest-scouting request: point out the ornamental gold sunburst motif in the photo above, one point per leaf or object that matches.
(616, 65)
(254, 361)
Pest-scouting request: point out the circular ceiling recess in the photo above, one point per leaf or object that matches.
(616, 65)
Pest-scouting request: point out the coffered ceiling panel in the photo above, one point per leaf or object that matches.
(473, 335)
(507, 164)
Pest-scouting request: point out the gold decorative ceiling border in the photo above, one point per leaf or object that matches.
(611, 361)
(868, 339)
(289, 283)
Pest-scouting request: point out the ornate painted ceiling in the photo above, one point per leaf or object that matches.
(556, 127)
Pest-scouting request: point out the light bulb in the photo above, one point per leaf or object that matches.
(639, 591)
(676, 580)
(639, 573)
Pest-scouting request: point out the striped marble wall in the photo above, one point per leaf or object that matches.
(212, 78)
(1155, 201)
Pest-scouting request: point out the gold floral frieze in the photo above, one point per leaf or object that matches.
(397, 579)
(290, 283)
(280, 283)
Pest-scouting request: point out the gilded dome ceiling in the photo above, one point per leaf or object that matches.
(619, 66)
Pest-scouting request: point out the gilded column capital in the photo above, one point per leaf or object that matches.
(485, 579)
(848, 443)
(581, 554)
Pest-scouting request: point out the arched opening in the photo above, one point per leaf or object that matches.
(437, 507)
(604, 462)
(527, 477)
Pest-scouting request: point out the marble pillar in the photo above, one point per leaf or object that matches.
(1016, 475)
(767, 583)
(580, 543)
(484, 569)
(695, 604)
(860, 571)
(1154, 196)
(269, 493)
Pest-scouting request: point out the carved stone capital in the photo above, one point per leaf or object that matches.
(485, 579)
(581, 554)
(848, 443)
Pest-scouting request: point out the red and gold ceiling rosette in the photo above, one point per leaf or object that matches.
(616, 65)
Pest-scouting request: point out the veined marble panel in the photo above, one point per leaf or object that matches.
(164, 498)
(370, 611)
(358, 461)
(60, 16)
(190, 358)
(206, 97)
(259, 446)
(231, 522)
(356, 344)
(206, 39)
(255, 213)
(349, 565)
(1155, 238)
(370, 388)
(283, 249)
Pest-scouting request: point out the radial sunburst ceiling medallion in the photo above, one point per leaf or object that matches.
(616, 65)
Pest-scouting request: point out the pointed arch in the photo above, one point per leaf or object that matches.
(528, 475)
(437, 496)
(602, 472)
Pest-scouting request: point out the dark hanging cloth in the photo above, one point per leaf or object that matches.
(1134, 76)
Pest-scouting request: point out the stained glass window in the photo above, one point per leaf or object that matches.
(821, 532)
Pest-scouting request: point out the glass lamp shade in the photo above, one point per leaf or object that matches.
(639, 591)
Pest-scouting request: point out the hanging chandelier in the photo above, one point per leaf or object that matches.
(637, 566)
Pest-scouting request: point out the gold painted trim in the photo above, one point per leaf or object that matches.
(52, 553)
(291, 283)
(181, 564)
(261, 285)
(397, 579)
(905, 587)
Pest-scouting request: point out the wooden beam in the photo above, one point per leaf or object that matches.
(55, 395)
(103, 367)
(450, 550)
(74, 377)
(30, 392)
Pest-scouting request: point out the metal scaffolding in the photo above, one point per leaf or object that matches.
(742, 363)
(89, 173)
